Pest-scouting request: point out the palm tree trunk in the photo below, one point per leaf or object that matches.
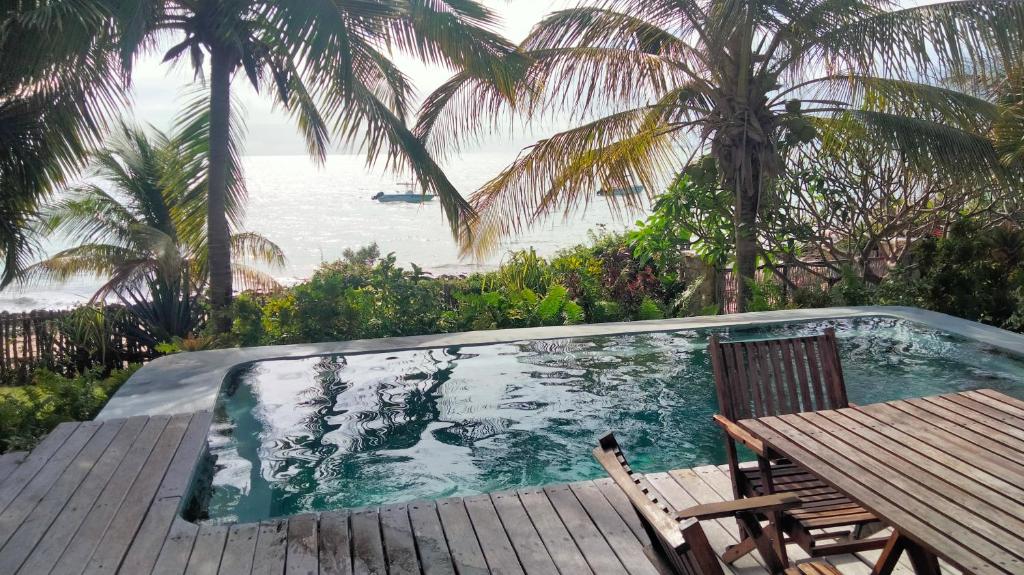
(218, 236)
(746, 245)
(746, 183)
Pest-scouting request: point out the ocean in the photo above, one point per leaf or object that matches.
(315, 212)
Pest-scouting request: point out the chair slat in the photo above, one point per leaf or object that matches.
(787, 362)
(800, 363)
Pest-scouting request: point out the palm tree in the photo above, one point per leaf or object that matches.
(657, 83)
(145, 233)
(56, 92)
(327, 63)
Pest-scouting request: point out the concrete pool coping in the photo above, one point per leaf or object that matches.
(190, 382)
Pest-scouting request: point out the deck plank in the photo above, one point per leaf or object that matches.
(27, 469)
(497, 548)
(149, 539)
(43, 556)
(533, 556)
(239, 549)
(207, 550)
(10, 461)
(458, 530)
(367, 543)
(624, 508)
(271, 548)
(701, 492)
(177, 549)
(615, 531)
(126, 522)
(48, 476)
(335, 544)
(38, 520)
(596, 551)
(81, 546)
(435, 559)
(303, 554)
(399, 543)
(552, 531)
(179, 473)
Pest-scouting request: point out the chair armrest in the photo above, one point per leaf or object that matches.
(739, 434)
(766, 503)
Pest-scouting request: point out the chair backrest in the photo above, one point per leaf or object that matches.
(778, 376)
(683, 542)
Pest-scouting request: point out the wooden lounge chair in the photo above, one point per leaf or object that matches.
(777, 377)
(679, 533)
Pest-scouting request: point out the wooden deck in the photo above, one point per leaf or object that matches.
(104, 497)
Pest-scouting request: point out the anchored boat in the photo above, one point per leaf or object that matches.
(407, 195)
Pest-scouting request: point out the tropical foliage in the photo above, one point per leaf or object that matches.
(656, 83)
(143, 231)
(366, 295)
(58, 86)
(29, 412)
(327, 63)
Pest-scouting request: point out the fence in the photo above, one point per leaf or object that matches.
(68, 343)
(802, 275)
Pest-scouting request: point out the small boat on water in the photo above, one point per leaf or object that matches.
(408, 195)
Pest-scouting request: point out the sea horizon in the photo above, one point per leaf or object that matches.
(314, 213)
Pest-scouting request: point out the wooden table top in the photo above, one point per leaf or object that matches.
(946, 471)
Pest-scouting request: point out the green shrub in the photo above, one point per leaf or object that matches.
(28, 413)
(649, 309)
(365, 295)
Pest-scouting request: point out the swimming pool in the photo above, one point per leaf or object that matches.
(328, 432)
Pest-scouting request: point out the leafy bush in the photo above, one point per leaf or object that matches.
(972, 273)
(28, 413)
(365, 295)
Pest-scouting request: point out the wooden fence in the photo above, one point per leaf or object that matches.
(55, 340)
(787, 277)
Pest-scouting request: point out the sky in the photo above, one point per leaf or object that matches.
(159, 88)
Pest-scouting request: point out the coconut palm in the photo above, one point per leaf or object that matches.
(56, 92)
(656, 83)
(141, 230)
(327, 63)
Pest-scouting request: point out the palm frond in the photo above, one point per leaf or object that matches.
(927, 144)
(257, 248)
(900, 97)
(188, 177)
(566, 170)
(928, 42)
(250, 278)
(384, 136)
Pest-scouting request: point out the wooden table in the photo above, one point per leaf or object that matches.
(945, 472)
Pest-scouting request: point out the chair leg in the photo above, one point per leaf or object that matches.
(734, 552)
(764, 541)
(774, 518)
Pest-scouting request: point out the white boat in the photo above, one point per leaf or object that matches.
(407, 195)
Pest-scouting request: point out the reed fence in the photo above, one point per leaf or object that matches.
(51, 339)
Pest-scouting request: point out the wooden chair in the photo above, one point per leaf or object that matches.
(679, 534)
(778, 377)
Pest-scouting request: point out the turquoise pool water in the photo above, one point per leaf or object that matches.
(293, 436)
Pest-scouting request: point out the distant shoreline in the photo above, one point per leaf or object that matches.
(78, 292)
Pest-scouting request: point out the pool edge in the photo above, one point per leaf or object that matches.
(189, 382)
